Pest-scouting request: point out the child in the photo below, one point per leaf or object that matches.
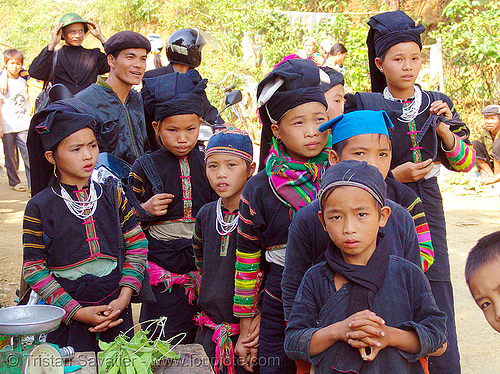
(334, 92)
(363, 136)
(487, 147)
(173, 194)
(15, 119)
(427, 133)
(71, 247)
(362, 310)
(229, 163)
(482, 274)
(291, 106)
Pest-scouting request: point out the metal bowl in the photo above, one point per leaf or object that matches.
(30, 319)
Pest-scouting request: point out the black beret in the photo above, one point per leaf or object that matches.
(126, 39)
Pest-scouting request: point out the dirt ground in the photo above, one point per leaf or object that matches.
(469, 216)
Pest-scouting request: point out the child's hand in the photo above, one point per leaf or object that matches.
(252, 338)
(158, 204)
(4, 83)
(121, 302)
(94, 316)
(439, 107)
(411, 171)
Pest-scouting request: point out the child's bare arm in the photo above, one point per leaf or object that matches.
(96, 318)
(245, 354)
(364, 323)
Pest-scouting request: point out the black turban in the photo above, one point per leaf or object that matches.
(335, 78)
(386, 30)
(174, 94)
(298, 83)
(47, 129)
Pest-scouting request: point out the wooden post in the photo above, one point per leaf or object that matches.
(441, 64)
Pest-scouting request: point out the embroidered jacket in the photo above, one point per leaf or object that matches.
(408, 199)
(262, 236)
(183, 177)
(55, 239)
(404, 139)
(215, 257)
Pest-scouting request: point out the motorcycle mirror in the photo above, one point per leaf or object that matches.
(233, 97)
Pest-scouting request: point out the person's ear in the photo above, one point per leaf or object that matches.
(111, 61)
(156, 127)
(320, 217)
(49, 156)
(333, 157)
(276, 130)
(251, 169)
(385, 212)
(378, 63)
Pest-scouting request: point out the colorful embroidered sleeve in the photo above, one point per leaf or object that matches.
(136, 247)
(198, 241)
(462, 157)
(35, 270)
(416, 210)
(247, 268)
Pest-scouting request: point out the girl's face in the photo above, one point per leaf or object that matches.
(298, 130)
(76, 157)
(401, 66)
(179, 134)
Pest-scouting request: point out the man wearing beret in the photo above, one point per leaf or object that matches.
(72, 65)
(487, 147)
(118, 108)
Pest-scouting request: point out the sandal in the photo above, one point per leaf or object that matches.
(19, 188)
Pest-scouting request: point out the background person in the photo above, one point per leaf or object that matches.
(15, 119)
(75, 66)
(118, 108)
(487, 147)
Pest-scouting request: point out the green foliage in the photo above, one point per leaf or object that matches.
(471, 38)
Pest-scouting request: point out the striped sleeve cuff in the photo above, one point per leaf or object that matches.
(462, 157)
(247, 283)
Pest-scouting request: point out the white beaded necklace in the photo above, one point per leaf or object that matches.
(223, 227)
(80, 209)
(411, 110)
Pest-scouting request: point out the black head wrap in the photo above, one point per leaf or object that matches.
(47, 129)
(292, 83)
(335, 78)
(387, 30)
(174, 94)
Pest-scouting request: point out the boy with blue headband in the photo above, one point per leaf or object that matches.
(361, 136)
(228, 164)
(362, 310)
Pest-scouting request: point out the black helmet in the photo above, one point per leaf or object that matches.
(184, 47)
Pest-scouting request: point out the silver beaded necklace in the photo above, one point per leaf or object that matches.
(80, 209)
(410, 111)
(223, 227)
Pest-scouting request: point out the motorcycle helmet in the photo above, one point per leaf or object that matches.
(71, 18)
(184, 47)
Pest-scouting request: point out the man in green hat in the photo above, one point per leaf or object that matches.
(72, 65)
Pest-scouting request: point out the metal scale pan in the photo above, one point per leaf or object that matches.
(29, 319)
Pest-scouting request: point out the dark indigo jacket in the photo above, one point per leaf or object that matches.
(404, 301)
(307, 242)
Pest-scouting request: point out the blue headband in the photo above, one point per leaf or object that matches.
(359, 122)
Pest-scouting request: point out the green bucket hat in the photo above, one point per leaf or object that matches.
(71, 18)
